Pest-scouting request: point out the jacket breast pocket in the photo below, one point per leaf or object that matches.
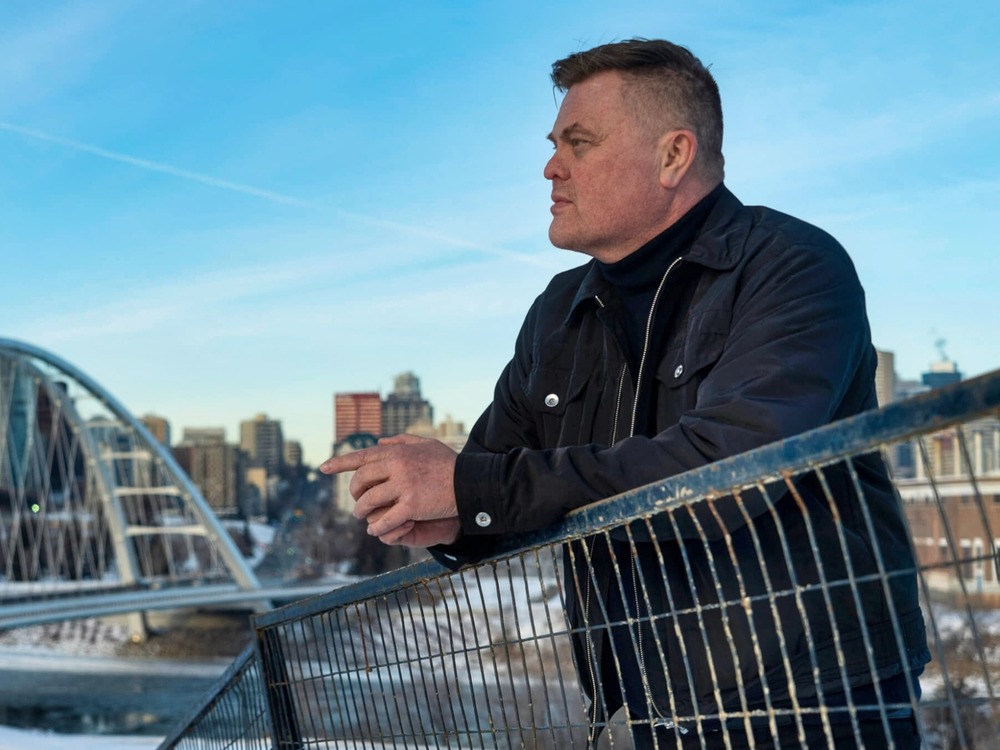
(683, 367)
(565, 405)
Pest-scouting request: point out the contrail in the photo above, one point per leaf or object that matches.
(157, 167)
(269, 195)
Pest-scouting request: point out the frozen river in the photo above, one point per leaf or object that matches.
(74, 695)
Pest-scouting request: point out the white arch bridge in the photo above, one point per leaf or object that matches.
(96, 517)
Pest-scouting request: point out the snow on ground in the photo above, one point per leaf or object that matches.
(37, 659)
(92, 637)
(22, 739)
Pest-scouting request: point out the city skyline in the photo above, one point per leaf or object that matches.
(212, 232)
(897, 376)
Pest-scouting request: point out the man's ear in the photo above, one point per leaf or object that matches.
(675, 151)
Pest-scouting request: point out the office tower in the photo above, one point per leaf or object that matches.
(158, 427)
(215, 466)
(263, 443)
(356, 413)
(293, 453)
(885, 378)
(404, 406)
(941, 373)
(203, 435)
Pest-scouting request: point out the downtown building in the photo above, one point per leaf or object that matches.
(263, 442)
(158, 427)
(355, 413)
(368, 413)
(293, 454)
(405, 407)
(215, 466)
(952, 503)
(949, 483)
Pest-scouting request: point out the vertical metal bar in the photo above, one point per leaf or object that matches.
(277, 687)
(453, 649)
(559, 639)
(938, 644)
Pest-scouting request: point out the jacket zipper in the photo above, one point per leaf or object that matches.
(645, 345)
(590, 546)
(635, 583)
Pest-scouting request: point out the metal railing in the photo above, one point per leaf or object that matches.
(486, 657)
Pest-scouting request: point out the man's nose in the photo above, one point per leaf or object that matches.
(554, 169)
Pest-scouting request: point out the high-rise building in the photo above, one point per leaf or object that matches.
(262, 440)
(356, 413)
(293, 453)
(158, 427)
(404, 406)
(203, 435)
(943, 372)
(215, 466)
(885, 378)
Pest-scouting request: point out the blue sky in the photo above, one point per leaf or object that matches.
(223, 208)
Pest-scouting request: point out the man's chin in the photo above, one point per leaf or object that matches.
(562, 240)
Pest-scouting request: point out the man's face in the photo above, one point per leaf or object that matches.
(607, 200)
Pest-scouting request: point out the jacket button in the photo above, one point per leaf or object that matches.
(679, 371)
(552, 400)
(483, 520)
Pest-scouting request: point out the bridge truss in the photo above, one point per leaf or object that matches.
(93, 507)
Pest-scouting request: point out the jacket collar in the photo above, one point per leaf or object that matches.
(719, 246)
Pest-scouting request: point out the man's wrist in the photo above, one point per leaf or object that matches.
(477, 493)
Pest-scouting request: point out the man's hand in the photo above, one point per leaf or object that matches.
(421, 533)
(404, 489)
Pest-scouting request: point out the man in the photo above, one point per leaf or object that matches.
(700, 329)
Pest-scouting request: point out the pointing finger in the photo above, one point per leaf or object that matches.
(402, 439)
(347, 462)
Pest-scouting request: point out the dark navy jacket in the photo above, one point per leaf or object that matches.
(767, 337)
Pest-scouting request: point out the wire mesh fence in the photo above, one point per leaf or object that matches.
(232, 715)
(789, 597)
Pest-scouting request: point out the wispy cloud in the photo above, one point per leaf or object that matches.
(280, 295)
(840, 138)
(34, 53)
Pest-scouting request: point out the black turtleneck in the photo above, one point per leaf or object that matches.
(636, 276)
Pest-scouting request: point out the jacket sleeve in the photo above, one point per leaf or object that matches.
(505, 426)
(797, 355)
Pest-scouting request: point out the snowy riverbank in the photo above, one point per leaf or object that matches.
(23, 739)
